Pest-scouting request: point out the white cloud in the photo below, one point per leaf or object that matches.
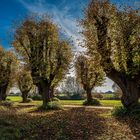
(66, 22)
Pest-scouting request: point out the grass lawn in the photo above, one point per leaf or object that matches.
(112, 103)
(15, 98)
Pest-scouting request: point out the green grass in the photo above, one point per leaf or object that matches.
(15, 98)
(72, 102)
(112, 103)
(103, 102)
(108, 95)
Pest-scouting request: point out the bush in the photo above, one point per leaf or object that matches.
(124, 112)
(117, 96)
(37, 97)
(76, 97)
(53, 105)
(98, 96)
(55, 99)
(6, 103)
(8, 99)
(29, 100)
(10, 133)
(71, 97)
(63, 97)
(93, 102)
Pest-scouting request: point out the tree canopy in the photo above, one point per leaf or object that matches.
(112, 34)
(7, 68)
(24, 81)
(48, 56)
(89, 73)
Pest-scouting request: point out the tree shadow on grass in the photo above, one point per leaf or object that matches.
(70, 124)
(83, 124)
(24, 106)
(134, 125)
(74, 124)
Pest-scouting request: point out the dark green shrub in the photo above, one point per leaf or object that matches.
(76, 97)
(63, 97)
(37, 97)
(9, 133)
(98, 96)
(92, 102)
(6, 103)
(29, 100)
(8, 99)
(53, 105)
(124, 112)
(71, 97)
(55, 99)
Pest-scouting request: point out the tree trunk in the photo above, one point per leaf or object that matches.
(3, 94)
(39, 88)
(129, 89)
(89, 95)
(24, 97)
(130, 95)
(52, 92)
(46, 95)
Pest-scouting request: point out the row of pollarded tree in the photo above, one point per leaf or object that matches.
(113, 46)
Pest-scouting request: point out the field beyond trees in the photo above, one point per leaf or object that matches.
(112, 103)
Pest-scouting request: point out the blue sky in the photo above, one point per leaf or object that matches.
(64, 12)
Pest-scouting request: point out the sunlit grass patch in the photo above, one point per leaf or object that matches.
(113, 103)
(15, 98)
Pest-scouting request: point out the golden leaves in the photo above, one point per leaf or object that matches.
(89, 72)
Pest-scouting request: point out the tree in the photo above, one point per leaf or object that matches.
(48, 57)
(7, 65)
(113, 34)
(117, 90)
(89, 74)
(25, 83)
(71, 86)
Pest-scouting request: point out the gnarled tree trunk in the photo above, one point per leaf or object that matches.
(46, 95)
(24, 96)
(130, 95)
(52, 92)
(128, 86)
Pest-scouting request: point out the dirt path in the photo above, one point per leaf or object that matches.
(94, 107)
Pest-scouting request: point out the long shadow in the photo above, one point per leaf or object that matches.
(135, 127)
(23, 106)
(74, 124)
(70, 124)
(133, 124)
